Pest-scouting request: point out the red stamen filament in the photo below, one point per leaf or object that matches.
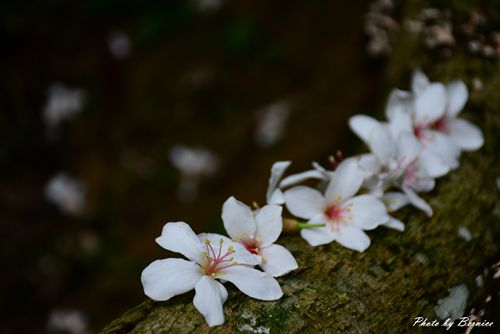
(211, 265)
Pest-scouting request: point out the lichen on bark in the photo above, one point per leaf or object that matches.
(402, 275)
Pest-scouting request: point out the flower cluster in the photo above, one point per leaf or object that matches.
(421, 140)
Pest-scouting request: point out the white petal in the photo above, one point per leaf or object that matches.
(277, 171)
(395, 224)
(457, 97)
(345, 181)
(253, 282)
(362, 126)
(417, 201)
(430, 105)
(395, 200)
(444, 146)
(304, 202)
(179, 237)
(367, 211)
(382, 144)
(209, 300)
(277, 197)
(409, 148)
(465, 134)
(238, 219)
(240, 255)
(368, 163)
(163, 279)
(277, 261)
(320, 235)
(269, 224)
(401, 122)
(301, 177)
(419, 82)
(433, 164)
(352, 237)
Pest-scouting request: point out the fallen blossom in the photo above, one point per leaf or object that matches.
(257, 231)
(343, 214)
(209, 257)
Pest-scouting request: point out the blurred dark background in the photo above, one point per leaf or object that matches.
(116, 117)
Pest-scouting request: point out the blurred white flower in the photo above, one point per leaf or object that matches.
(194, 163)
(67, 321)
(119, 45)
(271, 124)
(208, 5)
(62, 104)
(67, 193)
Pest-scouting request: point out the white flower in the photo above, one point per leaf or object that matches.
(392, 163)
(345, 216)
(258, 231)
(67, 193)
(67, 321)
(62, 104)
(194, 163)
(432, 117)
(119, 44)
(271, 124)
(274, 195)
(210, 257)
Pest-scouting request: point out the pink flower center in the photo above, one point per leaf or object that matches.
(214, 261)
(338, 214)
(251, 245)
(440, 125)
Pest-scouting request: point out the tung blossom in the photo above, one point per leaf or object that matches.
(257, 231)
(209, 257)
(430, 112)
(274, 195)
(343, 214)
(392, 163)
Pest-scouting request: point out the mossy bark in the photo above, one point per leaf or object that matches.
(402, 275)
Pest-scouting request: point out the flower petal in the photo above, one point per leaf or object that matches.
(401, 122)
(253, 282)
(430, 105)
(409, 148)
(434, 165)
(345, 181)
(465, 134)
(320, 235)
(238, 219)
(300, 177)
(209, 300)
(382, 144)
(240, 255)
(417, 201)
(395, 224)
(269, 224)
(277, 197)
(277, 260)
(352, 237)
(368, 163)
(457, 97)
(179, 237)
(277, 171)
(367, 211)
(419, 82)
(362, 126)
(395, 200)
(163, 279)
(444, 146)
(304, 202)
